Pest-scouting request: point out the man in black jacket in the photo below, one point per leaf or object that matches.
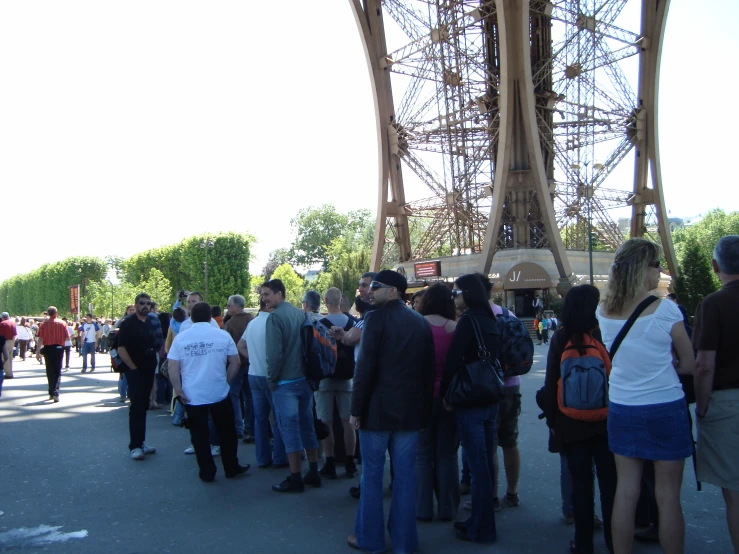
(391, 402)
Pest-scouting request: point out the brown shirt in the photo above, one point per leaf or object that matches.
(236, 327)
(716, 329)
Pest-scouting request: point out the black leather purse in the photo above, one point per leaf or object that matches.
(477, 383)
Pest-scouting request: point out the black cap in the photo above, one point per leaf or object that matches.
(393, 279)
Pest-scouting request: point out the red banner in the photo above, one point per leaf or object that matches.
(74, 299)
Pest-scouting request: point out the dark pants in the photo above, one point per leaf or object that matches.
(222, 415)
(67, 350)
(53, 360)
(140, 382)
(580, 459)
(164, 390)
(22, 347)
(477, 429)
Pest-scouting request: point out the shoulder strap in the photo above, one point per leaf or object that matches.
(481, 350)
(629, 324)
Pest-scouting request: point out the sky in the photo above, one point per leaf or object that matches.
(127, 126)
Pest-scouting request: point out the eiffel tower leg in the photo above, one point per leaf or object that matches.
(654, 18)
(372, 32)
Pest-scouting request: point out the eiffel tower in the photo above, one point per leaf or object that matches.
(515, 115)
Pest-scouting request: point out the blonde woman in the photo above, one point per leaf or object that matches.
(648, 416)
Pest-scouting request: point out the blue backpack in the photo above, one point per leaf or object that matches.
(319, 351)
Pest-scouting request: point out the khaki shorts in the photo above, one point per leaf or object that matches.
(718, 441)
(325, 404)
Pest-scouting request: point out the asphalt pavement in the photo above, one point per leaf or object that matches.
(67, 485)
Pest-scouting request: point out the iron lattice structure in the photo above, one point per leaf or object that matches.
(515, 114)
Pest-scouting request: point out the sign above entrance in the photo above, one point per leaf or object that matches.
(527, 275)
(427, 269)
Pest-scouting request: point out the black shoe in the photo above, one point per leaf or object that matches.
(460, 526)
(288, 486)
(313, 479)
(240, 471)
(355, 492)
(328, 471)
(84, 370)
(207, 478)
(351, 471)
(463, 536)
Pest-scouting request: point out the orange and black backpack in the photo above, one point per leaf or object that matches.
(582, 390)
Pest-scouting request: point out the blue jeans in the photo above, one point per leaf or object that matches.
(369, 526)
(233, 394)
(261, 396)
(88, 348)
(477, 435)
(123, 386)
(294, 414)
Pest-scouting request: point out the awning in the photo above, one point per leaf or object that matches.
(527, 275)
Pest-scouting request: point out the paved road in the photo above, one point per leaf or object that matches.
(67, 485)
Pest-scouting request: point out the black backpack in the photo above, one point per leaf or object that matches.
(344, 354)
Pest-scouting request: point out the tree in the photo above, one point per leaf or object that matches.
(275, 260)
(157, 286)
(345, 268)
(110, 299)
(707, 232)
(315, 228)
(252, 296)
(696, 279)
(292, 281)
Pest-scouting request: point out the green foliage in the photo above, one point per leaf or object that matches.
(575, 237)
(707, 232)
(33, 292)
(317, 228)
(182, 265)
(157, 286)
(293, 283)
(345, 268)
(275, 260)
(110, 299)
(252, 296)
(696, 279)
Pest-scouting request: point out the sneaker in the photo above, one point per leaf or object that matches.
(512, 500)
(328, 471)
(56, 398)
(190, 450)
(288, 486)
(137, 454)
(313, 479)
(148, 449)
(215, 450)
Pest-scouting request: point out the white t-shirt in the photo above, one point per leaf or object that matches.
(70, 332)
(185, 325)
(642, 371)
(90, 330)
(23, 333)
(255, 336)
(203, 355)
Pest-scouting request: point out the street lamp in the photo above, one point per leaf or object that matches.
(206, 244)
(111, 298)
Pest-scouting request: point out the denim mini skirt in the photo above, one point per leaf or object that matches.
(650, 432)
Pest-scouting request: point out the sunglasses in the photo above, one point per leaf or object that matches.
(456, 292)
(374, 285)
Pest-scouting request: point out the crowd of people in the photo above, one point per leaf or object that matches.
(621, 373)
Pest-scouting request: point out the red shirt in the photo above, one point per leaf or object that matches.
(53, 332)
(7, 329)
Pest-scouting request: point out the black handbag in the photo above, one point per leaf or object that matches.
(477, 383)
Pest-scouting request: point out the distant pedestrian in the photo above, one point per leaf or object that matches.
(198, 363)
(717, 382)
(137, 349)
(90, 336)
(24, 337)
(8, 330)
(52, 335)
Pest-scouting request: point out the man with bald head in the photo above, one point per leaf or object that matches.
(337, 389)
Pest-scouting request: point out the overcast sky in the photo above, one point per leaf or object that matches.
(126, 126)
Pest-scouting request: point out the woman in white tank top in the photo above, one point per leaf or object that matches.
(648, 416)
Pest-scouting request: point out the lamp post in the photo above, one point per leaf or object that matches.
(206, 244)
(111, 298)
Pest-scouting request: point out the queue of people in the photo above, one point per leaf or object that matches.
(621, 374)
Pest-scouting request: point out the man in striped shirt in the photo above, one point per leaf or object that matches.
(51, 336)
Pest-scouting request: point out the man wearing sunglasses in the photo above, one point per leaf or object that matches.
(137, 349)
(391, 402)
